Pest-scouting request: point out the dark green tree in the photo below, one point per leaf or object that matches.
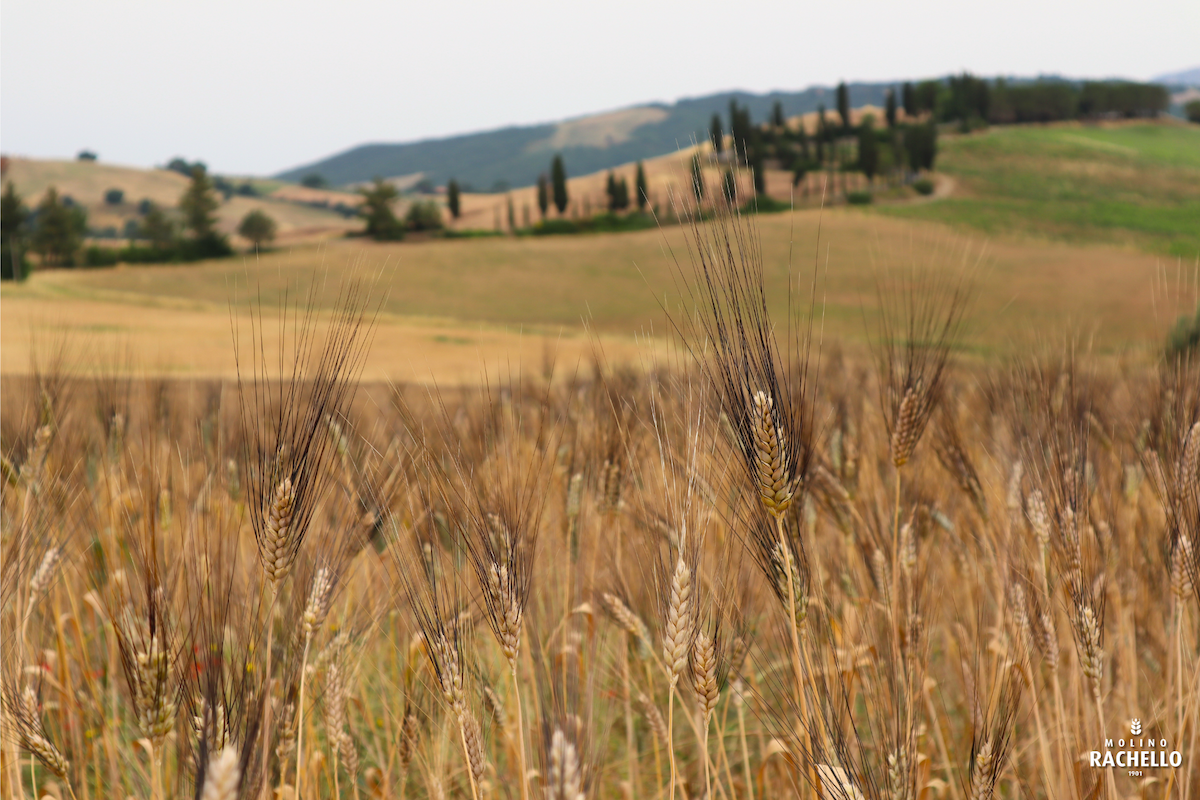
(618, 193)
(823, 134)
(114, 197)
(777, 119)
(868, 148)
(641, 190)
(512, 215)
(910, 100)
(314, 180)
(543, 195)
(920, 142)
(758, 173)
(558, 180)
(927, 93)
(1192, 110)
(716, 135)
(382, 224)
(424, 215)
(198, 204)
(741, 130)
(158, 228)
(58, 229)
(697, 178)
(798, 173)
(843, 105)
(891, 108)
(258, 228)
(729, 187)
(452, 198)
(13, 218)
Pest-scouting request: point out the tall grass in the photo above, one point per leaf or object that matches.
(772, 570)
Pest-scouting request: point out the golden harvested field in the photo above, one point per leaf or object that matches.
(450, 304)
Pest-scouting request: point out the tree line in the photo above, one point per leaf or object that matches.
(972, 101)
(56, 228)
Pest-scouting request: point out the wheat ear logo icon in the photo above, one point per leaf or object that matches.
(1135, 727)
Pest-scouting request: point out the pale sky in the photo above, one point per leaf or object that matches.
(256, 87)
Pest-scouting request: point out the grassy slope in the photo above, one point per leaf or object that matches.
(551, 284)
(1134, 184)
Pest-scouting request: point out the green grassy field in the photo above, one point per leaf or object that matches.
(1132, 184)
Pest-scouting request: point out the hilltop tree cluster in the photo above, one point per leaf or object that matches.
(973, 102)
(837, 145)
(56, 229)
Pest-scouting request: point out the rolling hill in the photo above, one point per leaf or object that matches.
(301, 214)
(511, 157)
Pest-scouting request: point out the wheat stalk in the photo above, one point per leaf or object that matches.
(223, 777)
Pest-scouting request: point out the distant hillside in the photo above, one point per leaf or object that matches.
(1185, 77)
(513, 157)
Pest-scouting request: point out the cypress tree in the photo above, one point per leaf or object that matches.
(697, 178)
(822, 134)
(198, 204)
(729, 186)
(741, 130)
(512, 215)
(777, 119)
(543, 195)
(13, 216)
(610, 189)
(622, 194)
(558, 177)
(910, 100)
(868, 150)
(640, 187)
(843, 105)
(759, 174)
(716, 134)
(799, 172)
(891, 108)
(452, 199)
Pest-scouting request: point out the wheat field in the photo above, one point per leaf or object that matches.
(759, 565)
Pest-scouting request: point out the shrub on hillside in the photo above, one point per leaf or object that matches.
(114, 197)
(376, 208)
(923, 186)
(1184, 339)
(861, 198)
(424, 215)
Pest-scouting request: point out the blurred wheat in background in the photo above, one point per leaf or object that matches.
(766, 569)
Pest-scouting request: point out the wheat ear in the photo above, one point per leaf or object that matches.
(223, 776)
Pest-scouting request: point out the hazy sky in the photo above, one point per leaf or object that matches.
(256, 87)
